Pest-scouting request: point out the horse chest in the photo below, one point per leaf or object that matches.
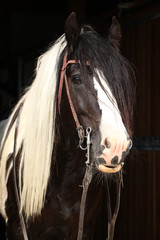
(58, 220)
(60, 216)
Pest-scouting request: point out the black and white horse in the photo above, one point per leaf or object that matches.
(83, 88)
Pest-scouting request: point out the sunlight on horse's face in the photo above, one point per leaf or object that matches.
(98, 110)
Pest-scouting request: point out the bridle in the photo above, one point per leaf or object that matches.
(89, 164)
(82, 134)
(63, 78)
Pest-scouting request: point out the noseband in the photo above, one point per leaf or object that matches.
(89, 164)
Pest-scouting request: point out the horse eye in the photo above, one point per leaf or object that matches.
(76, 79)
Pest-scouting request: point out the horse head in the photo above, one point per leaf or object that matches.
(100, 91)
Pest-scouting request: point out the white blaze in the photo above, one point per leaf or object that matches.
(111, 126)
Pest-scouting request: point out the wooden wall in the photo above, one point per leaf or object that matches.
(139, 216)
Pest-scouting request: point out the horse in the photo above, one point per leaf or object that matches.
(76, 115)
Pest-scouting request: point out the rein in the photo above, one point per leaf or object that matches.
(16, 119)
(89, 165)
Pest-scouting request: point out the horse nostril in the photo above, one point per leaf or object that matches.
(101, 149)
(107, 143)
(114, 160)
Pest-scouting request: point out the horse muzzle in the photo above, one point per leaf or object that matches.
(111, 161)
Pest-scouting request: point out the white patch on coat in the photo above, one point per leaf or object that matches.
(111, 121)
(111, 126)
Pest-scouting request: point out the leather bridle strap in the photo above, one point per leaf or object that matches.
(112, 219)
(63, 78)
(15, 120)
(88, 174)
(86, 182)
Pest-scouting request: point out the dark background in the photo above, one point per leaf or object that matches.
(28, 27)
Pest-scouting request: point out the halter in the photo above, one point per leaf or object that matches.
(89, 165)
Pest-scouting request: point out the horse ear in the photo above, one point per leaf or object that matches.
(114, 34)
(72, 31)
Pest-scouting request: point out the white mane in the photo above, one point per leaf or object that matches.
(36, 132)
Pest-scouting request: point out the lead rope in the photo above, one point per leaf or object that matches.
(112, 219)
(86, 181)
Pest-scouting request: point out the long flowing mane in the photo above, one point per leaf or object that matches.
(38, 116)
(36, 134)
